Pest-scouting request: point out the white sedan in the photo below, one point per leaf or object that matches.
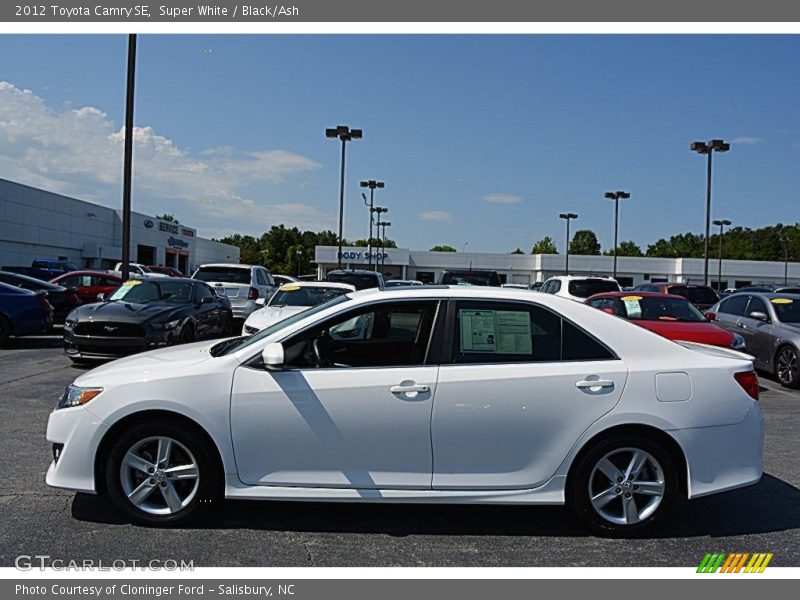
(290, 299)
(451, 395)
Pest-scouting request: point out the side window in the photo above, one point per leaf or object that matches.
(545, 287)
(73, 281)
(756, 305)
(606, 303)
(388, 334)
(270, 279)
(734, 305)
(555, 286)
(489, 332)
(579, 345)
(203, 291)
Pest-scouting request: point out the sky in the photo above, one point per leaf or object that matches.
(481, 139)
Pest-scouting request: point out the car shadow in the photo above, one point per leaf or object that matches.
(34, 342)
(770, 506)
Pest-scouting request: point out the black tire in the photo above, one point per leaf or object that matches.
(620, 447)
(187, 334)
(199, 494)
(5, 330)
(787, 367)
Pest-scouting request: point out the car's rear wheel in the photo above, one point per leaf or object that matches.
(623, 485)
(5, 330)
(162, 474)
(787, 368)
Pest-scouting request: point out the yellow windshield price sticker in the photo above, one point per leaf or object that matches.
(631, 298)
(132, 282)
(290, 288)
(782, 300)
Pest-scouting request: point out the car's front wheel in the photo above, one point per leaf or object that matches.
(162, 474)
(623, 485)
(787, 367)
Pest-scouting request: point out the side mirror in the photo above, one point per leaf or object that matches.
(710, 316)
(273, 355)
(208, 300)
(261, 301)
(759, 316)
(101, 297)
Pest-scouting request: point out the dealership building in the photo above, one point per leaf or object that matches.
(401, 263)
(35, 224)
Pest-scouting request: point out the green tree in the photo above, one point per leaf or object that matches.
(518, 251)
(584, 242)
(546, 245)
(629, 248)
(168, 218)
(376, 243)
(442, 249)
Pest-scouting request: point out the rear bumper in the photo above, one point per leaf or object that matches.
(726, 457)
(33, 326)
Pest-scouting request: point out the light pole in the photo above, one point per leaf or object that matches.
(372, 185)
(345, 134)
(127, 168)
(708, 148)
(567, 217)
(299, 254)
(465, 246)
(383, 224)
(785, 241)
(721, 223)
(616, 197)
(378, 210)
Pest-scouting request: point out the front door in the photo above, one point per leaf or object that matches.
(522, 387)
(757, 334)
(351, 408)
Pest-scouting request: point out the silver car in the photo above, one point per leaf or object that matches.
(242, 284)
(770, 325)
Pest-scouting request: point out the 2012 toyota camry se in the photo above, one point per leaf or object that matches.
(434, 394)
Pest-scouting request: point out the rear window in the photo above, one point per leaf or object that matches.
(358, 280)
(485, 278)
(223, 275)
(695, 294)
(583, 288)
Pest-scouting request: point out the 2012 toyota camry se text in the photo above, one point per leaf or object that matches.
(435, 394)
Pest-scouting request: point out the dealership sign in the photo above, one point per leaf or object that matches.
(177, 243)
(358, 256)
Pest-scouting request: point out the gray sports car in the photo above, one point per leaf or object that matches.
(770, 325)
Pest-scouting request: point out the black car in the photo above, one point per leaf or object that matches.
(62, 299)
(360, 279)
(144, 315)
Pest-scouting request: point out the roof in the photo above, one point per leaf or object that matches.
(636, 293)
(318, 284)
(89, 272)
(581, 277)
(232, 265)
(353, 271)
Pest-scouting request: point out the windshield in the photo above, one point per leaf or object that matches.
(695, 295)
(646, 308)
(141, 292)
(237, 344)
(583, 288)
(787, 309)
(295, 295)
(470, 278)
(360, 282)
(223, 275)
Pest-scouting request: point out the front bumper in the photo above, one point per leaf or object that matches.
(78, 434)
(726, 457)
(102, 348)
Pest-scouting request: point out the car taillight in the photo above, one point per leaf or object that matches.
(253, 295)
(749, 382)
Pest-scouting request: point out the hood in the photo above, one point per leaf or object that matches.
(700, 332)
(123, 312)
(163, 362)
(268, 315)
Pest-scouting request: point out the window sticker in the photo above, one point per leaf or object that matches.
(632, 306)
(782, 300)
(490, 331)
(290, 288)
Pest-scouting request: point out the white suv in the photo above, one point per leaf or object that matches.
(579, 287)
(242, 284)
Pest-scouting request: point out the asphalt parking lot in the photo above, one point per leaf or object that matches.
(38, 520)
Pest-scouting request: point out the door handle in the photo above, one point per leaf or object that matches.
(594, 383)
(741, 325)
(405, 389)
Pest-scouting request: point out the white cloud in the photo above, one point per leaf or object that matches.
(436, 215)
(78, 151)
(502, 199)
(746, 139)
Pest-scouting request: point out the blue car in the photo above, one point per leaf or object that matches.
(23, 312)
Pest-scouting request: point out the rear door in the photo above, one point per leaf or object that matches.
(519, 388)
(730, 311)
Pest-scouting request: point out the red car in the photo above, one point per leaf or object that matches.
(668, 315)
(89, 283)
(702, 296)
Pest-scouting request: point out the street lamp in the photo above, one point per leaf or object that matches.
(785, 241)
(371, 184)
(299, 254)
(708, 148)
(721, 223)
(345, 134)
(127, 161)
(568, 217)
(616, 197)
(383, 224)
(378, 210)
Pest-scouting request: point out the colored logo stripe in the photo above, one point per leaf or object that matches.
(735, 562)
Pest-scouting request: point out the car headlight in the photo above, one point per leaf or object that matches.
(738, 342)
(70, 324)
(76, 396)
(167, 324)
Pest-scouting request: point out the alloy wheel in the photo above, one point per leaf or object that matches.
(159, 475)
(626, 486)
(787, 366)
